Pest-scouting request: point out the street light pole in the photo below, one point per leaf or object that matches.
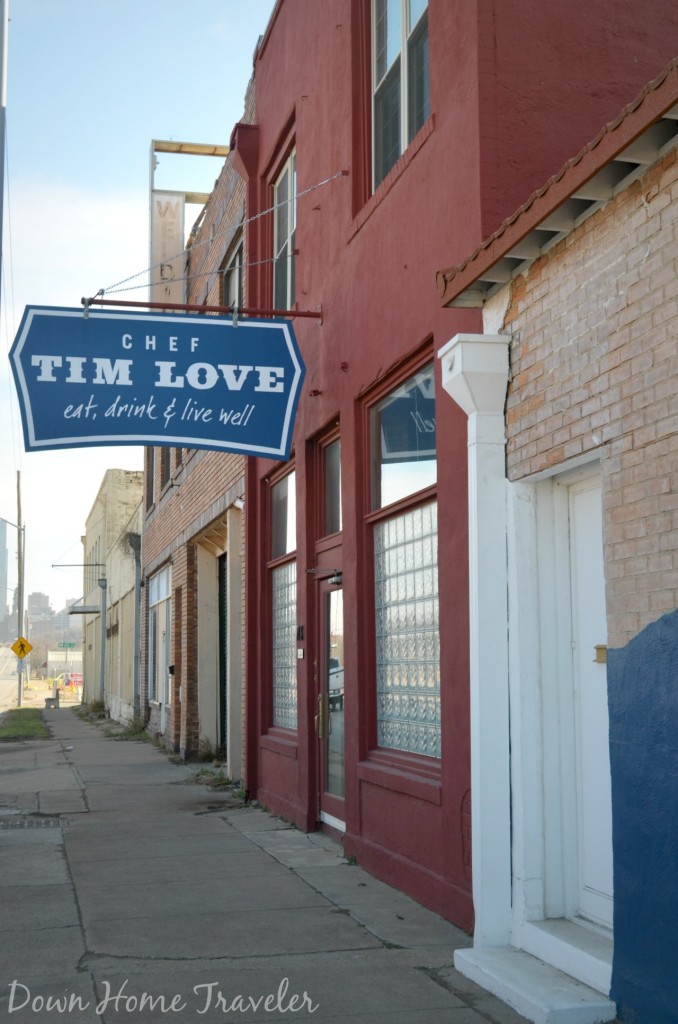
(103, 583)
(21, 567)
(20, 588)
(4, 18)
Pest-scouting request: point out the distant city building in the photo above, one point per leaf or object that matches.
(62, 619)
(39, 606)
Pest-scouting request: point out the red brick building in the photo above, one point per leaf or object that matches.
(405, 132)
(388, 139)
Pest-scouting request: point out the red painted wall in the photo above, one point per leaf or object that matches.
(515, 90)
(551, 74)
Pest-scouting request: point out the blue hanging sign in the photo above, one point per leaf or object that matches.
(156, 379)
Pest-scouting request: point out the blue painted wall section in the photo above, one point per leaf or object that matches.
(643, 699)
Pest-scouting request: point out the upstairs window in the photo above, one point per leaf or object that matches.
(232, 278)
(149, 477)
(284, 234)
(165, 467)
(400, 78)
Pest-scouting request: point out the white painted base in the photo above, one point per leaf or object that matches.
(335, 823)
(582, 952)
(539, 992)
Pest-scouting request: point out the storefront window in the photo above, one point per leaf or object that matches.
(284, 587)
(405, 539)
(284, 602)
(407, 631)
(403, 434)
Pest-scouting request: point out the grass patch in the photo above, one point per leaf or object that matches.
(24, 724)
(90, 711)
(135, 729)
(213, 779)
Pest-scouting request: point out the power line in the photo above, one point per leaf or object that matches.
(114, 289)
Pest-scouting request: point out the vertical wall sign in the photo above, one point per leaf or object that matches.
(167, 245)
(156, 379)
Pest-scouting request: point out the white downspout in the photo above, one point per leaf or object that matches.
(475, 374)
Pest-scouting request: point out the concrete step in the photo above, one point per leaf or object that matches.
(536, 990)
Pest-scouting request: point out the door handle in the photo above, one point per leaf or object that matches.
(323, 724)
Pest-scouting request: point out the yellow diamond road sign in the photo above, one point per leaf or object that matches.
(22, 647)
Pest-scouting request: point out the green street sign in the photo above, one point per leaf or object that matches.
(66, 643)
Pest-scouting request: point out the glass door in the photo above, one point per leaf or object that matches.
(331, 706)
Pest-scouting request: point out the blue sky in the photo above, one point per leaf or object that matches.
(89, 84)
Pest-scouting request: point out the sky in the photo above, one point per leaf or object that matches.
(90, 83)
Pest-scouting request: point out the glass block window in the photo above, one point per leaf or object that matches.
(407, 636)
(284, 608)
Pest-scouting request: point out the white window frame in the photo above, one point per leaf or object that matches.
(413, 14)
(159, 620)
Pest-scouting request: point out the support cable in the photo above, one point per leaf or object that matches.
(114, 288)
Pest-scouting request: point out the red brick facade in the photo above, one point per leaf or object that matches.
(185, 510)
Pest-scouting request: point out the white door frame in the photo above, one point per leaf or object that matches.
(543, 738)
(518, 868)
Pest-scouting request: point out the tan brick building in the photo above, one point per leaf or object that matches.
(192, 548)
(594, 360)
(572, 398)
(111, 561)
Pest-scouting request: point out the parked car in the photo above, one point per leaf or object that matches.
(336, 685)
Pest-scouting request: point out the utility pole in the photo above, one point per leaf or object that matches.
(20, 588)
(4, 21)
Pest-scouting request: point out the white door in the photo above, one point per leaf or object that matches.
(163, 661)
(591, 729)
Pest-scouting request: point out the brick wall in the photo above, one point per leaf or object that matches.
(594, 366)
(203, 484)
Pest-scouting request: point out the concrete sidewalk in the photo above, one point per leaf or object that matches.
(128, 892)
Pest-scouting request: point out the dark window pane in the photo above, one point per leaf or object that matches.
(419, 103)
(284, 236)
(387, 124)
(164, 466)
(283, 516)
(333, 488)
(149, 477)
